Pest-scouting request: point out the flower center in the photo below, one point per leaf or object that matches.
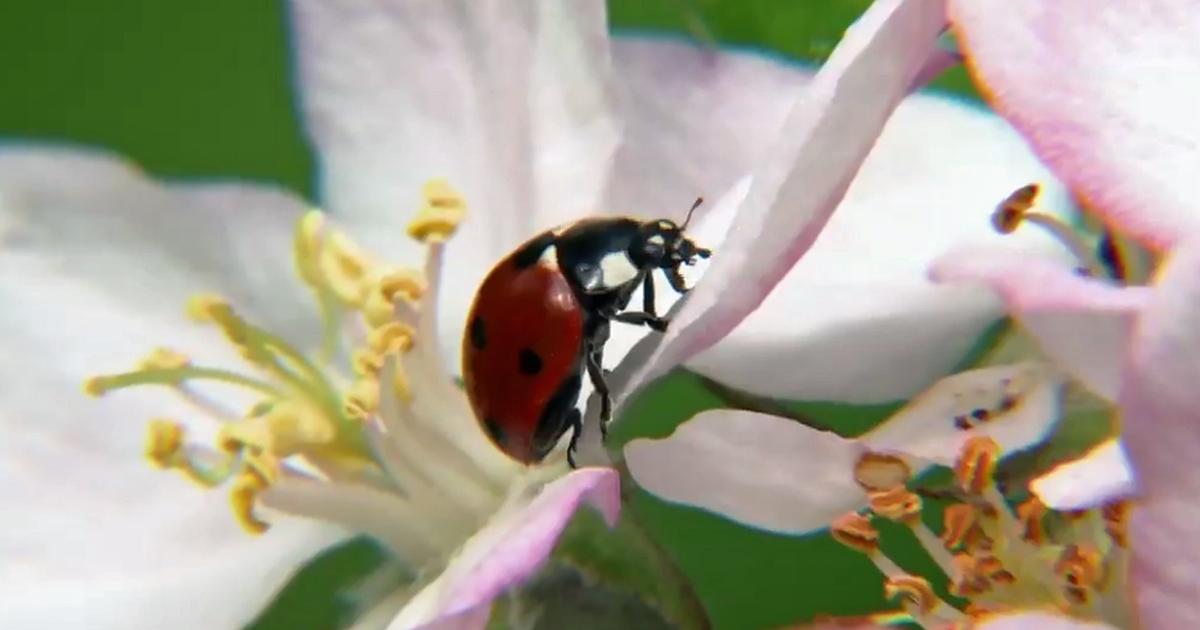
(996, 558)
(314, 410)
(1106, 254)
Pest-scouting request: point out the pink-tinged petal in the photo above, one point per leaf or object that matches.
(509, 101)
(1037, 621)
(1101, 475)
(757, 469)
(857, 319)
(821, 145)
(1160, 404)
(94, 263)
(1020, 403)
(1082, 324)
(509, 549)
(1106, 95)
(695, 122)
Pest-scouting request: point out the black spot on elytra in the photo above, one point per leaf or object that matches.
(478, 333)
(529, 362)
(981, 414)
(494, 430)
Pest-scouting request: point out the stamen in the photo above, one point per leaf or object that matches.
(879, 472)
(1080, 568)
(164, 439)
(959, 525)
(97, 386)
(242, 497)
(362, 399)
(1116, 522)
(1018, 208)
(344, 269)
(406, 285)
(904, 507)
(287, 428)
(364, 362)
(976, 466)
(306, 254)
(918, 599)
(440, 214)
(164, 359)
(856, 532)
(897, 504)
(1030, 513)
(391, 337)
(265, 350)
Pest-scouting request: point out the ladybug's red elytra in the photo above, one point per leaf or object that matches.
(541, 319)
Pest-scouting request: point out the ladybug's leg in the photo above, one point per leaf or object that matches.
(649, 317)
(596, 375)
(575, 419)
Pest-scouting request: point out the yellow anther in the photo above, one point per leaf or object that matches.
(207, 307)
(242, 496)
(1116, 522)
(365, 362)
(912, 590)
(1009, 214)
(1079, 566)
(856, 532)
(443, 209)
(263, 465)
(164, 359)
(897, 504)
(391, 337)
(362, 399)
(967, 581)
(976, 465)
(96, 386)
(287, 428)
(1030, 514)
(344, 268)
(959, 521)
(164, 438)
(879, 472)
(307, 247)
(398, 284)
(408, 284)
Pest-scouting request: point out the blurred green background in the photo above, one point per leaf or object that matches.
(204, 89)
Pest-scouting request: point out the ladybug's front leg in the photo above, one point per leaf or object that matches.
(649, 317)
(594, 360)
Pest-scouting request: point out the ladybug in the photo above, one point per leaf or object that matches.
(541, 318)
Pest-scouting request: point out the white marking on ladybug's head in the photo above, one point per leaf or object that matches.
(617, 269)
(657, 239)
(549, 258)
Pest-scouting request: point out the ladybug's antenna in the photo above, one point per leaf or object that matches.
(699, 200)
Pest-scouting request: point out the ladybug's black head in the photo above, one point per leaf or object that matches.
(662, 244)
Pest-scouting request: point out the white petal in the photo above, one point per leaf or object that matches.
(796, 188)
(859, 303)
(928, 427)
(508, 101)
(95, 217)
(93, 261)
(1101, 475)
(757, 469)
(696, 120)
